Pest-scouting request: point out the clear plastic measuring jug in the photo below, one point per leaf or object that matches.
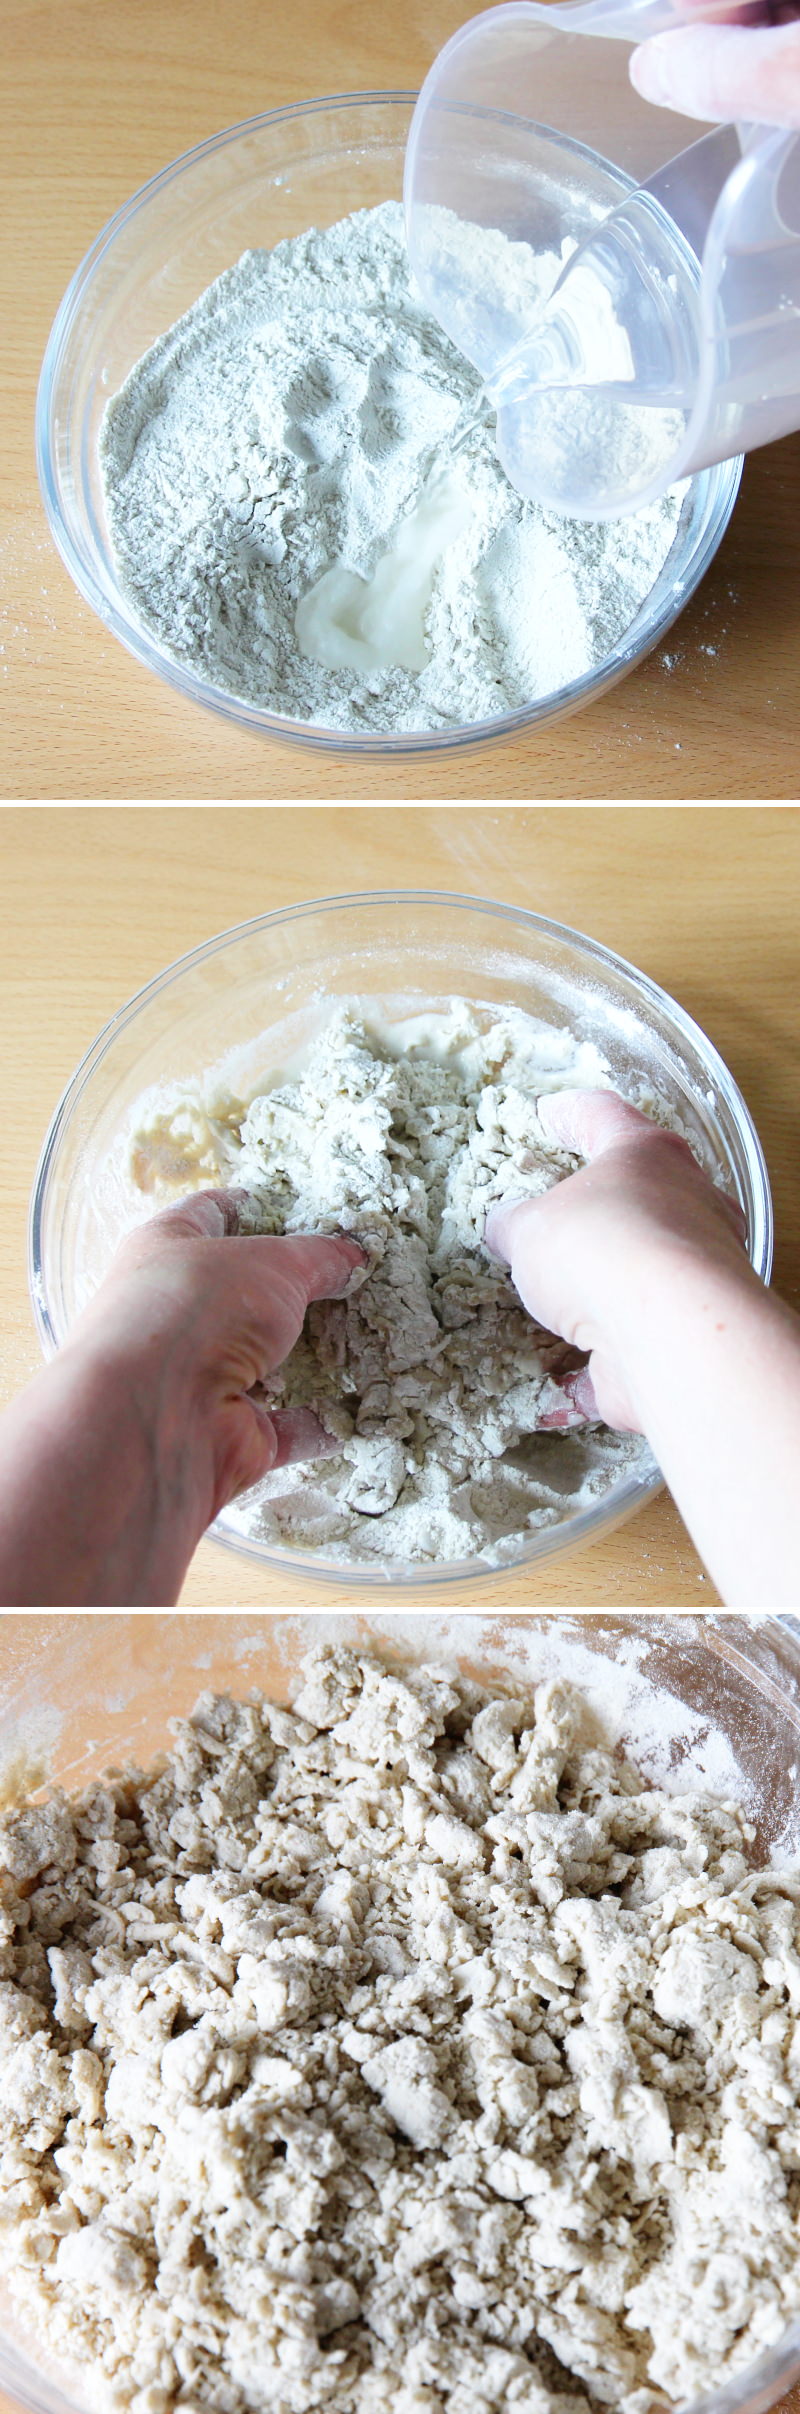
(631, 302)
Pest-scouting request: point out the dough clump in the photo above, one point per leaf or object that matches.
(404, 2053)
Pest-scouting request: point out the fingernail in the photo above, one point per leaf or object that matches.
(494, 1231)
(360, 1268)
(556, 1110)
(579, 1389)
(648, 69)
(300, 1434)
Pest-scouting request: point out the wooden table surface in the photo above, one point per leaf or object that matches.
(100, 96)
(99, 900)
(96, 902)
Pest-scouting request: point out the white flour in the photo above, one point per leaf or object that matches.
(402, 2053)
(437, 1382)
(286, 425)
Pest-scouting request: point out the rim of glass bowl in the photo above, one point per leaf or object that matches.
(753, 2391)
(723, 480)
(634, 1489)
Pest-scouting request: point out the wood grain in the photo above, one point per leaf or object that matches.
(98, 900)
(101, 96)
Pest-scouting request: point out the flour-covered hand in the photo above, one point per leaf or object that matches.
(118, 1455)
(581, 1254)
(223, 1309)
(638, 1261)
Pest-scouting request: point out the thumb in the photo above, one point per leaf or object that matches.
(323, 1264)
(723, 71)
(288, 1434)
(320, 1265)
(204, 1215)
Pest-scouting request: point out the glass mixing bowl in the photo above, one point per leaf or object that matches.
(250, 187)
(264, 989)
(700, 1701)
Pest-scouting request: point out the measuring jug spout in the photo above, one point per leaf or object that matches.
(623, 312)
(594, 402)
(631, 301)
(550, 356)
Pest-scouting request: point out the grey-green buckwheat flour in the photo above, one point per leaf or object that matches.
(287, 423)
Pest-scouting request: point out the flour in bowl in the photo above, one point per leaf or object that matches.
(440, 1387)
(402, 2053)
(284, 429)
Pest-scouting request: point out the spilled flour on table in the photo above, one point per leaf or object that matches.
(285, 427)
(436, 1381)
(401, 2053)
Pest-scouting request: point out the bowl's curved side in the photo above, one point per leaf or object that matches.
(378, 943)
(250, 184)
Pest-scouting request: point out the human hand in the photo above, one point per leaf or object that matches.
(203, 1312)
(583, 1254)
(119, 1454)
(730, 63)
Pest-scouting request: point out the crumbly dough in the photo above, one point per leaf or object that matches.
(402, 2054)
(431, 1374)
